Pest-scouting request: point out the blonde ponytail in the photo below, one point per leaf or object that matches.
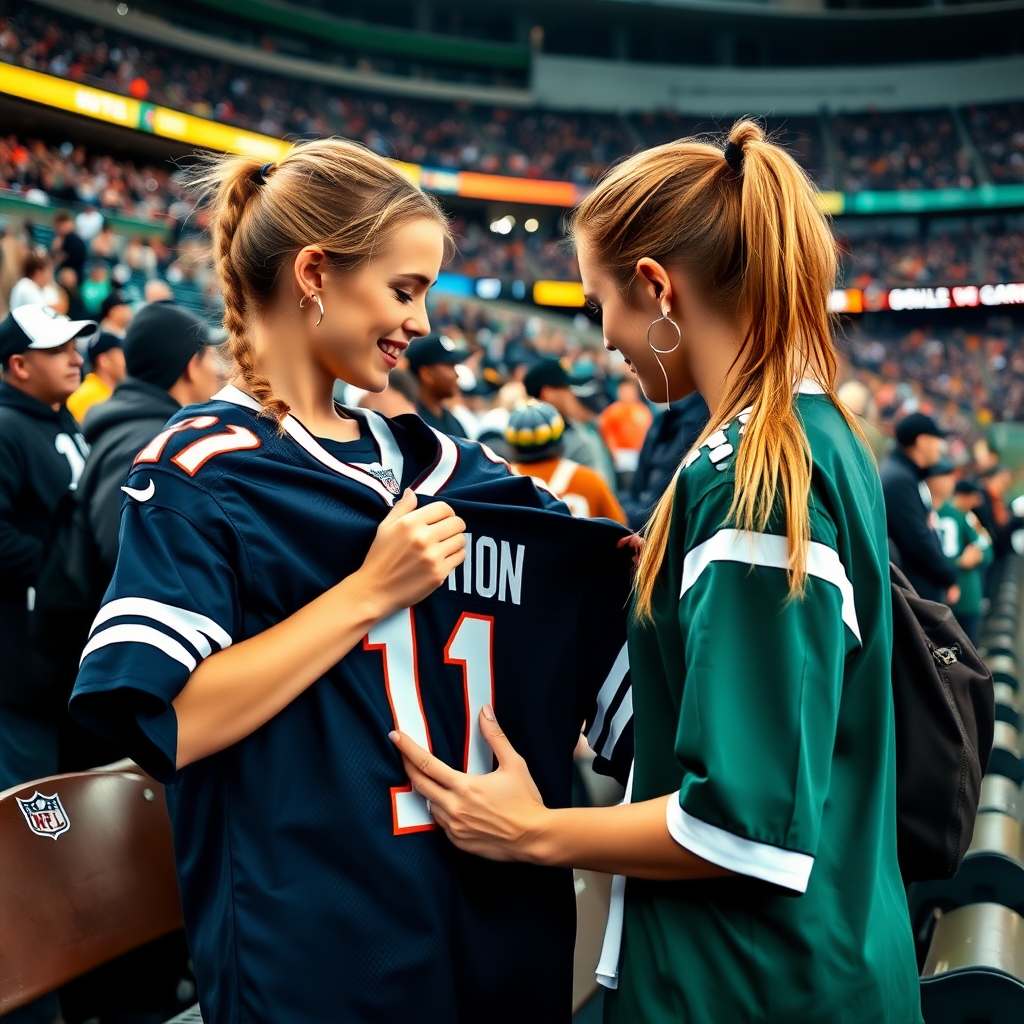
(749, 231)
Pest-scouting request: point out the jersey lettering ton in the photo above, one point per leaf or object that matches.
(315, 886)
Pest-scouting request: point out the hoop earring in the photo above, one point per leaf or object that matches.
(316, 298)
(658, 352)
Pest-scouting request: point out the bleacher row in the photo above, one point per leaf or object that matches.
(971, 926)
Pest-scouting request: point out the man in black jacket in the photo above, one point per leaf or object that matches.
(42, 455)
(908, 509)
(671, 436)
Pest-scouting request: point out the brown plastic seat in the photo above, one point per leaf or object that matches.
(86, 874)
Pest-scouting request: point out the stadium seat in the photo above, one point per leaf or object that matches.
(974, 971)
(992, 871)
(1003, 669)
(88, 874)
(1007, 706)
(1006, 753)
(1003, 795)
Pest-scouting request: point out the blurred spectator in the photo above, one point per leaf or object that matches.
(535, 434)
(95, 288)
(672, 434)
(624, 425)
(43, 455)
(550, 382)
(35, 286)
(67, 281)
(106, 371)
(88, 223)
(432, 361)
(908, 509)
(965, 542)
(68, 250)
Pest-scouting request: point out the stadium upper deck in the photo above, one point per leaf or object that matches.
(941, 148)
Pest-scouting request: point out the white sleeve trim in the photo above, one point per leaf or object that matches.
(130, 633)
(190, 626)
(786, 868)
(770, 550)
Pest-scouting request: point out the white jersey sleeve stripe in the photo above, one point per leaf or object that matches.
(131, 633)
(787, 868)
(606, 695)
(771, 551)
(620, 720)
(190, 625)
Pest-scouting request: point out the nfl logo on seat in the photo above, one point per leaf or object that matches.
(387, 478)
(45, 814)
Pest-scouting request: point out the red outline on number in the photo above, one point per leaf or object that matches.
(407, 788)
(232, 431)
(165, 435)
(449, 660)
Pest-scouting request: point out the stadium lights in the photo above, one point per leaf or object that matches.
(532, 224)
(504, 225)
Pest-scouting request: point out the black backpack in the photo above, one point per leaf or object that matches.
(945, 715)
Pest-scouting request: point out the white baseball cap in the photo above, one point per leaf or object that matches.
(40, 327)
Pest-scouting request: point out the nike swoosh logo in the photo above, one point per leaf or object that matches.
(143, 495)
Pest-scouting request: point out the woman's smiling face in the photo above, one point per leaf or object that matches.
(372, 314)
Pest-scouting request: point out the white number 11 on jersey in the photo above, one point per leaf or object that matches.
(471, 645)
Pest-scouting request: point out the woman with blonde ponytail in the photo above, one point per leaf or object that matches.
(759, 844)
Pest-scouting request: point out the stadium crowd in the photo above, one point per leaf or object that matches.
(979, 250)
(893, 150)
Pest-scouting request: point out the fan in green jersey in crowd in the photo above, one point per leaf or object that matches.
(965, 542)
(759, 846)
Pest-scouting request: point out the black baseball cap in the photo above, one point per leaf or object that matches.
(550, 373)
(967, 487)
(911, 427)
(160, 341)
(104, 341)
(115, 297)
(436, 348)
(36, 327)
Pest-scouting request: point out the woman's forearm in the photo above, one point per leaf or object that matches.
(232, 693)
(629, 839)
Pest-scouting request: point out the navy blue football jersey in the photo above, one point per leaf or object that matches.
(315, 886)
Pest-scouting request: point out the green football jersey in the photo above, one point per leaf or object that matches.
(770, 721)
(957, 529)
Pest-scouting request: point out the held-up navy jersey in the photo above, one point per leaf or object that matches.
(314, 885)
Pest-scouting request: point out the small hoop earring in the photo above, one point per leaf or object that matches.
(664, 351)
(316, 298)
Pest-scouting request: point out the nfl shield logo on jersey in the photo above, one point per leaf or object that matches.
(387, 478)
(45, 814)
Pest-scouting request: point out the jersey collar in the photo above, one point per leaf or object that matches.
(391, 462)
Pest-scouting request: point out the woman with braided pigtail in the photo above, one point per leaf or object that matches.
(756, 855)
(264, 535)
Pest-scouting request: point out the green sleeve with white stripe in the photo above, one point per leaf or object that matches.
(760, 702)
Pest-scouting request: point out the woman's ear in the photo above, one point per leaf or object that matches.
(309, 264)
(654, 283)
